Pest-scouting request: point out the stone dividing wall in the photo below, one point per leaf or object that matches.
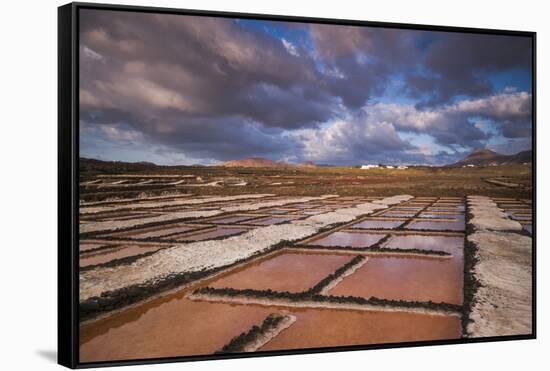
(502, 304)
(258, 336)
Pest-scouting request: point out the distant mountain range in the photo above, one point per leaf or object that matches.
(486, 157)
(480, 157)
(263, 162)
(94, 165)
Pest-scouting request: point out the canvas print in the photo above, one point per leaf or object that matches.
(253, 185)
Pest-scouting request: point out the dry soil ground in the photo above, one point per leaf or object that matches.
(343, 181)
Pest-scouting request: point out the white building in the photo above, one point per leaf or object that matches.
(402, 167)
(390, 167)
(366, 167)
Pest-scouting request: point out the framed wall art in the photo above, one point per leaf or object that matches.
(237, 185)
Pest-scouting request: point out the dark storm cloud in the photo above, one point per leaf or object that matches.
(510, 113)
(459, 64)
(358, 61)
(209, 66)
(291, 108)
(461, 123)
(197, 65)
(228, 138)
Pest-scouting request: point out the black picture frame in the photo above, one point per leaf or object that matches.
(68, 191)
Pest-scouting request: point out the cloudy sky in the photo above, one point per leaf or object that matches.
(175, 89)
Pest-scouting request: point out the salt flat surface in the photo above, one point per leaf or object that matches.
(504, 301)
(486, 215)
(196, 256)
(154, 204)
(112, 225)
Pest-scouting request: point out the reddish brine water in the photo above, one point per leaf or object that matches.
(447, 204)
(85, 246)
(415, 279)
(157, 231)
(271, 220)
(449, 244)
(353, 239)
(457, 210)
(437, 225)
(288, 271)
(232, 219)
(209, 234)
(378, 224)
(278, 211)
(167, 327)
(405, 208)
(329, 328)
(117, 252)
(441, 216)
(399, 214)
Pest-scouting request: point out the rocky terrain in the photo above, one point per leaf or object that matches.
(486, 157)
